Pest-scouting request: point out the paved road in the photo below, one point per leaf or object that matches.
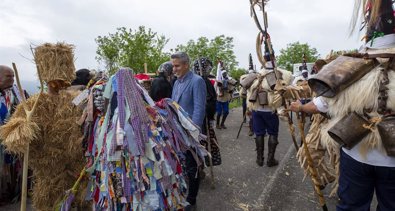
(241, 185)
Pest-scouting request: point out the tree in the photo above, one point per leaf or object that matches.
(236, 73)
(128, 48)
(294, 54)
(220, 47)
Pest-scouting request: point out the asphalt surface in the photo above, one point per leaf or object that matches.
(240, 184)
(239, 181)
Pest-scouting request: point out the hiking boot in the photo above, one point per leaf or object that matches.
(223, 121)
(272, 145)
(260, 144)
(218, 120)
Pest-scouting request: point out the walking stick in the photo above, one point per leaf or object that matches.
(312, 170)
(244, 119)
(291, 127)
(29, 115)
(209, 150)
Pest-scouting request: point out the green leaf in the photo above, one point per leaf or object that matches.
(294, 54)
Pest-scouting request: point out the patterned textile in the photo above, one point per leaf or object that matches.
(215, 152)
(136, 148)
(10, 166)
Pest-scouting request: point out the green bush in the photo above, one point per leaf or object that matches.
(235, 103)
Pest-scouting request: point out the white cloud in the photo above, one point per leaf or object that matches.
(19, 25)
(322, 24)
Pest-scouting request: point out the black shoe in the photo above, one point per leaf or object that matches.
(218, 121)
(271, 163)
(190, 208)
(223, 121)
(250, 133)
(202, 174)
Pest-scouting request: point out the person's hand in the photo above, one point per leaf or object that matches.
(282, 114)
(296, 106)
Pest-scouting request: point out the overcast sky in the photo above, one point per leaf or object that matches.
(322, 24)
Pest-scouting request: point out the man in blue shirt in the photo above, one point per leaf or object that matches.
(189, 92)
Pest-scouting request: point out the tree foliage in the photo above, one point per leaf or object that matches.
(221, 47)
(236, 73)
(128, 48)
(294, 54)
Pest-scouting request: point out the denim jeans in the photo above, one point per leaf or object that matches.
(222, 108)
(358, 181)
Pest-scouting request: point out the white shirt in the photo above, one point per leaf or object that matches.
(321, 104)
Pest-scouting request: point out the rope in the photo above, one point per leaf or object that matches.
(373, 122)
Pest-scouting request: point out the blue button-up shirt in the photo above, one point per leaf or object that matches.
(190, 92)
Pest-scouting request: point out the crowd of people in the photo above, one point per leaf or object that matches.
(148, 149)
(188, 87)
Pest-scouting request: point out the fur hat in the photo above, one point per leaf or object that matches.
(379, 18)
(205, 63)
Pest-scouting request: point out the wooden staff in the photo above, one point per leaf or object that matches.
(29, 115)
(290, 122)
(209, 150)
(241, 125)
(312, 170)
(145, 68)
(291, 128)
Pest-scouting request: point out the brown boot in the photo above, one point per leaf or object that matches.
(260, 144)
(272, 144)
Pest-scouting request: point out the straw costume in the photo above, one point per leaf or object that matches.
(325, 164)
(358, 93)
(56, 155)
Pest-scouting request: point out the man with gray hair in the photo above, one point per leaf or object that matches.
(189, 92)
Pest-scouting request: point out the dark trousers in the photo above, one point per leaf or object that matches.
(222, 108)
(244, 104)
(358, 182)
(193, 179)
(265, 122)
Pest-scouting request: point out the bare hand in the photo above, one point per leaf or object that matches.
(295, 106)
